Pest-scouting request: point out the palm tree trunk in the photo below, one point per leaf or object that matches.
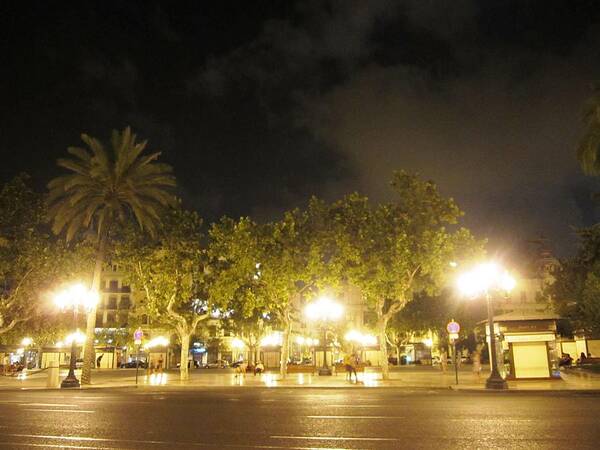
(88, 352)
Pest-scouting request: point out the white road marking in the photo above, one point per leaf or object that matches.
(84, 411)
(359, 406)
(136, 441)
(356, 417)
(334, 438)
(24, 444)
(63, 405)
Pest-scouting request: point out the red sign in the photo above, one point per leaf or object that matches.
(453, 327)
(138, 335)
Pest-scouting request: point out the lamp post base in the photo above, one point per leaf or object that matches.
(324, 371)
(70, 383)
(496, 382)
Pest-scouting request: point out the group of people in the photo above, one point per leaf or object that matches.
(241, 369)
(566, 359)
(156, 368)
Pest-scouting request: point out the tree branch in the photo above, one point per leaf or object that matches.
(15, 292)
(14, 322)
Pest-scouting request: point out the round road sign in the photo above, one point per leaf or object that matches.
(453, 327)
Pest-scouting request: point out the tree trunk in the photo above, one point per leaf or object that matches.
(88, 351)
(382, 326)
(252, 354)
(184, 373)
(285, 349)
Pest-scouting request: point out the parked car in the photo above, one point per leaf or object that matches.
(132, 364)
(218, 364)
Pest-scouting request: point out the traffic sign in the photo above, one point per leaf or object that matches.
(453, 327)
(137, 336)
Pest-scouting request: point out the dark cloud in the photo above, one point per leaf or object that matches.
(260, 104)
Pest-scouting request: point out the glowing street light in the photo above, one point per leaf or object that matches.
(158, 341)
(324, 310)
(237, 343)
(74, 297)
(365, 340)
(487, 279)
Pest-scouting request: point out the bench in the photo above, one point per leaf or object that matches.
(300, 368)
(592, 361)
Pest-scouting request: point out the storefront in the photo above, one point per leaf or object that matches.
(527, 346)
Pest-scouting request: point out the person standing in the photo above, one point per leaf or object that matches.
(353, 365)
(444, 360)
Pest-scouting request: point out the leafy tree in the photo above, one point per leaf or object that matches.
(30, 260)
(250, 327)
(173, 273)
(432, 313)
(278, 263)
(575, 291)
(105, 188)
(588, 151)
(394, 251)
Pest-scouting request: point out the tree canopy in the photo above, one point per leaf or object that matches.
(394, 251)
(575, 292)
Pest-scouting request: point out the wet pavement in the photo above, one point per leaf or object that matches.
(233, 417)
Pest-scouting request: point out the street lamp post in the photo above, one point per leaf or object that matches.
(73, 297)
(322, 311)
(495, 380)
(485, 279)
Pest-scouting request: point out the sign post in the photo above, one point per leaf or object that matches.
(453, 328)
(137, 340)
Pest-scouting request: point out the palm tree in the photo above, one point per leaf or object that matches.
(105, 188)
(588, 151)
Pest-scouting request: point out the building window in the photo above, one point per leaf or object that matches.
(144, 319)
(125, 303)
(99, 320)
(113, 286)
(523, 297)
(110, 319)
(123, 320)
(125, 288)
(112, 303)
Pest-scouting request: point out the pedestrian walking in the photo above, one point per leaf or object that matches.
(476, 358)
(99, 360)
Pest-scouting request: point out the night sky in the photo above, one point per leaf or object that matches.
(259, 105)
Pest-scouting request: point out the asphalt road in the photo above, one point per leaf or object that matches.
(299, 418)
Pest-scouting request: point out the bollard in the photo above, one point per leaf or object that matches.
(53, 378)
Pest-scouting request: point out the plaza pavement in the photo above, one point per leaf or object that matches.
(400, 377)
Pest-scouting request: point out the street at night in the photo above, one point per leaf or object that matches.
(301, 224)
(297, 418)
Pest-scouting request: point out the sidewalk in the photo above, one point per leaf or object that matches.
(418, 378)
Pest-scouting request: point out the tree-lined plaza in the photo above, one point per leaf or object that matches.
(261, 283)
